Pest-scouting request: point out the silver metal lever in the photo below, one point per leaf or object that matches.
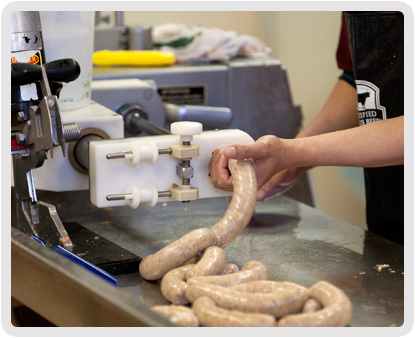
(210, 117)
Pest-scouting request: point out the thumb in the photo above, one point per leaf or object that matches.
(240, 151)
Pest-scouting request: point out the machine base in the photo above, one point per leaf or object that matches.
(101, 252)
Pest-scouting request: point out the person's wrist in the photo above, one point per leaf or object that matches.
(289, 153)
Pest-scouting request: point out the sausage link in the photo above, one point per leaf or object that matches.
(268, 286)
(173, 285)
(212, 262)
(194, 259)
(177, 314)
(251, 271)
(175, 254)
(337, 308)
(236, 218)
(278, 303)
(311, 305)
(209, 314)
(229, 268)
(242, 205)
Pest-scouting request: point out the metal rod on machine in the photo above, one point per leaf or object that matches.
(120, 197)
(123, 154)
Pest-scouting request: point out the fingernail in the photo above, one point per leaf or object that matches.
(229, 151)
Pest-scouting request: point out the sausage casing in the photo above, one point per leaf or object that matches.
(173, 285)
(177, 314)
(236, 218)
(267, 286)
(212, 262)
(242, 205)
(311, 305)
(251, 271)
(229, 268)
(209, 314)
(175, 254)
(278, 303)
(336, 311)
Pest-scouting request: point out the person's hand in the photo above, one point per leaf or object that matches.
(219, 172)
(268, 155)
(279, 184)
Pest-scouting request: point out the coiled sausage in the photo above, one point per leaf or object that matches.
(237, 216)
(209, 314)
(337, 308)
(173, 285)
(212, 262)
(267, 286)
(311, 305)
(229, 268)
(175, 254)
(251, 271)
(277, 303)
(177, 314)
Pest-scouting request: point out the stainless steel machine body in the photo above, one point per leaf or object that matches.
(120, 36)
(255, 90)
(36, 125)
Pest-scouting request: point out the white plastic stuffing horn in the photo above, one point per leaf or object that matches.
(154, 169)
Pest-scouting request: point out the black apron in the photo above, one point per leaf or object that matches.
(377, 49)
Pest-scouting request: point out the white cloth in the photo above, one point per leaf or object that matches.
(206, 44)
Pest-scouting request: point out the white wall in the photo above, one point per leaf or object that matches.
(241, 22)
(306, 43)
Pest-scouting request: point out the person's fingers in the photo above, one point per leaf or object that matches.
(214, 159)
(270, 191)
(243, 151)
(219, 172)
(274, 187)
(213, 163)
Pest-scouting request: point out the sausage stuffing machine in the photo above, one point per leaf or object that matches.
(109, 219)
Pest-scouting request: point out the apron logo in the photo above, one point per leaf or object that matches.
(368, 104)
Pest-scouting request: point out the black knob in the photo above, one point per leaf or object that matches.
(64, 70)
(25, 73)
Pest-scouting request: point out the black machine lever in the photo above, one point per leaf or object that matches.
(64, 70)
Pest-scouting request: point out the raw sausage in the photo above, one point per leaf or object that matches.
(311, 305)
(173, 285)
(177, 314)
(175, 254)
(337, 308)
(242, 205)
(267, 286)
(251, 271)
(212, 262)
(209, 314)
(279, 303)
(229, 268)
(237, 216)
(194, 259)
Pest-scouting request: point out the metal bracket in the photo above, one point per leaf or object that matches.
(35, 217)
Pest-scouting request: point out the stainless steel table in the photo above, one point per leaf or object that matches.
(296, 242)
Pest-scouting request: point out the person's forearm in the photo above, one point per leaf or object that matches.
(338, 113)
(373, 145)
